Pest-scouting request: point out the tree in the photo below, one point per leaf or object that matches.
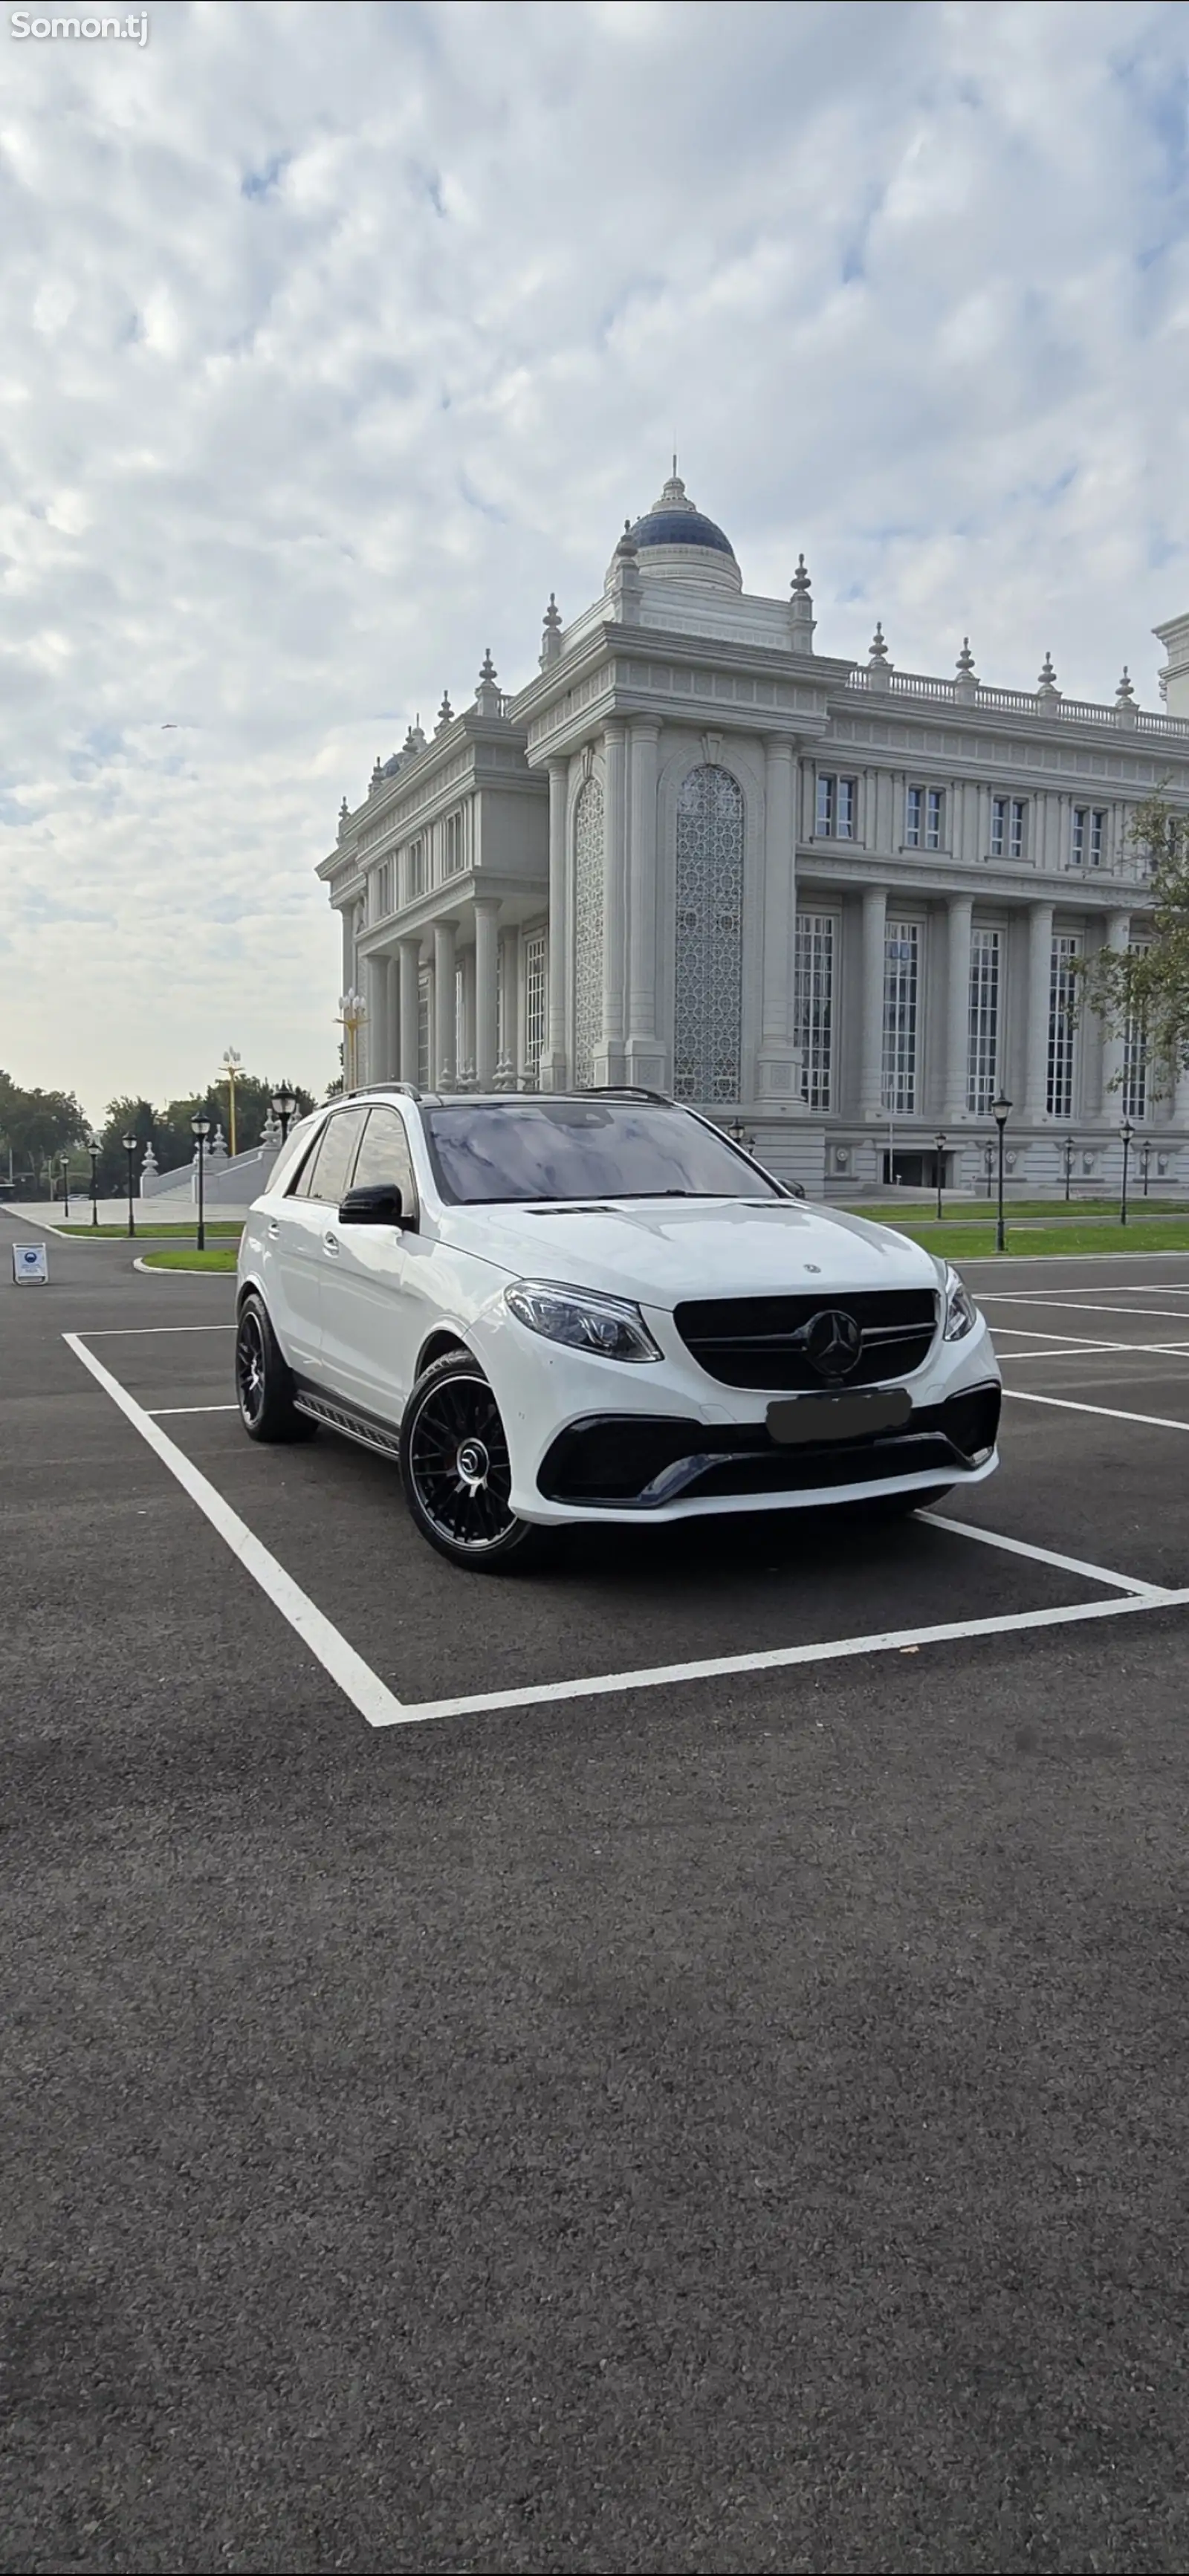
(1144, 992)
(124, 1117)
(38, 1126)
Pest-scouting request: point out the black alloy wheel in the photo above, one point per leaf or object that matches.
(456, 1469)
(263, 1385)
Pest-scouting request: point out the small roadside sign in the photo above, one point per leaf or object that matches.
(29, 1262)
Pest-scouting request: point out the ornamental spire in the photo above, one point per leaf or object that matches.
(801, 617)
(445, 713)
(551, 634)
(1046, 684)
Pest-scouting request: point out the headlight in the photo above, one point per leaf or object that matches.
(582, 1319)
(961, 1313)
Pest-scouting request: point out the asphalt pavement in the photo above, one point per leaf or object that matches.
(728, 2124)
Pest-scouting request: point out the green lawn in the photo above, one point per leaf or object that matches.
(977, 1242)
(218, 1256)
(232, 1227)
(981, 1211)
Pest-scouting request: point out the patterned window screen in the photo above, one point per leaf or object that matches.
(900, 991)
(1063, 1021)
(534, 1004)
(709, 945)
(1135, 1056)
(983, 1050)
(588, 929)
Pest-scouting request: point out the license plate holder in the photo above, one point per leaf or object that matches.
(797, 1420)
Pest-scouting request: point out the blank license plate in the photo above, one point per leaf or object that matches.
(837, 1417)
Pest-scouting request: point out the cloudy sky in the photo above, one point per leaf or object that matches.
(336, 336)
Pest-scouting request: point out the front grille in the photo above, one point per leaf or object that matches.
(643, 1461)
(751, 1341)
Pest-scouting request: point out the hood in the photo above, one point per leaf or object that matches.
(658, 1251)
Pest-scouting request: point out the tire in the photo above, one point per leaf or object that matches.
(456, 1471)
(263, 1385)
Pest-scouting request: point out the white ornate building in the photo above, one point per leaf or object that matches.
(835, 901)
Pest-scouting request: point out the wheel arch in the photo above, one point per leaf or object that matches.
(442, 1344)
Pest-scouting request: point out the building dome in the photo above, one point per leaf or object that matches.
(676, 540)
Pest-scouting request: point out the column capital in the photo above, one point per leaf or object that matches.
(558, 764)
(615, 729)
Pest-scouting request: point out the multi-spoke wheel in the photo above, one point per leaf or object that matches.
(458, 1476)
(263, 1386)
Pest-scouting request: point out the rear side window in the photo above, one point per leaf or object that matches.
(325, 1177)
(384, 1156)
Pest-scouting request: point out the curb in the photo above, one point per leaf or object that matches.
(178, 1270)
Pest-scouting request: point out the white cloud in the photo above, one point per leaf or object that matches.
(336, 337)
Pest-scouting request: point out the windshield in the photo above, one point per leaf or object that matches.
(583, 1149)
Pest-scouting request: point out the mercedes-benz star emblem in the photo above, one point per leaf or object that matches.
(833, 1342)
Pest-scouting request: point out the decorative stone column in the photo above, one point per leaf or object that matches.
(645, 1058)
(957, 1037)
(348, 922)
(393, 1073)
(375, 994)
(487, 913)
(609, 1056)
(509, 1064)
(875, 932)
(1118, 937)
(1040, 977)
(409, 951)
(778, 1053)
(554, 1064)
(445, 1016)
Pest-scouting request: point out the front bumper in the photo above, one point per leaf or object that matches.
(597, 1440)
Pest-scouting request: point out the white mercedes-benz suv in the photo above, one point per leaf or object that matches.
(592, 1306)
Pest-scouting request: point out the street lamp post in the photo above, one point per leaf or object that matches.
(1145, 1157)
(1067, 1149)
(130, 1143)
(201, 1128)
(93, 1149)
(1126, 1131)
(65, 1164)
(352, 1015)
(284, 1103)
(231, 1069)
(939, 1141)
(1001, 1112)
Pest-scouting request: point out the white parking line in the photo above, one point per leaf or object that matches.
(159, 1412)
(1084, 1306)
(1042, 1555)
(133, 1332)
(1113, 1412)
(712, 1668)
(362, 1686)
(1025, 1333)
(381, 1707)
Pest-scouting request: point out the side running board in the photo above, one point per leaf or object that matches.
(353, 1426)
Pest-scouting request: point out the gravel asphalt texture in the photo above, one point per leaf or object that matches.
(735, 2126)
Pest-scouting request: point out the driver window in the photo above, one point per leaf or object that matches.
(384, 1156)
(326, 1176)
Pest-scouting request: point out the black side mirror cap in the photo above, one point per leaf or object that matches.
(377, 1203)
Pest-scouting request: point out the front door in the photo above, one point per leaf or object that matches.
(303, 1221)
(368, 1319)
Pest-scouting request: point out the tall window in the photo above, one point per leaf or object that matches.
(983, 1046)
(1063, 1009)
(813, 1005)
(461, 1050)
(1008, 816)
(836, 802)
(382, 891)
(709, 1001)
(1089, 835)
(901, 984)
(415, 870)
(588, 929)
(923, 818)
(451, 845)
(1135, 1056)
(534, 1003)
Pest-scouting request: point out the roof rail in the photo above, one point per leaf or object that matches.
(358, 1089)
(622, 1091)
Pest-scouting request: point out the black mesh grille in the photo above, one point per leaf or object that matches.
(652, 1460)
(750, 1341)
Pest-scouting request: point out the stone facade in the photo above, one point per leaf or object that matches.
(833, 902)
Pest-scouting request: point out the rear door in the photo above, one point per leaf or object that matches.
(368, 1330)
(298, 1230)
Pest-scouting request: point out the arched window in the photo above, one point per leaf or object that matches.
(588, 929)
(709, 1009)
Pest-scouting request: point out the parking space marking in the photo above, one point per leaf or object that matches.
(356, 1679)
(834, 1650)
(1070, 1351)
(1084, 1306)
(1113, 1412)
(1042, 1555)
(133, 1332)
(159, 1412)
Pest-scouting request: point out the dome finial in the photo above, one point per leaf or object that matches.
(1046, 685)
(551, 633)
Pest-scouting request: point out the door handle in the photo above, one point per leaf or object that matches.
(330, 1243)
(273, 1229)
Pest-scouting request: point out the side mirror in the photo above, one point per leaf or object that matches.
(377, 1203)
